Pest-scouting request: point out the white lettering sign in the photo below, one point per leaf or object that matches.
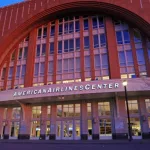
(66, 89)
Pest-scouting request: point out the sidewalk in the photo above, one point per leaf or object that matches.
(77, 141)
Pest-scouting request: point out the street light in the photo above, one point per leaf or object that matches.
(128, 114)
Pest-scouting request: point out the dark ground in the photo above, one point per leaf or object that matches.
(74, 145)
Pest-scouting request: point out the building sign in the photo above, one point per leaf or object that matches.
(67, 89)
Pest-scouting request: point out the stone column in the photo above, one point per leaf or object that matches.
(53, 122)
(1, 120)
(8, 123)
(144, 119)
(25, 124)
(43, 122)
(84, 121)
(121, 127)
(95, 121)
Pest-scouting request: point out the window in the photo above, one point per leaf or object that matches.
(3, 73)
(137, 36)
(77, 64)
(60, 47)
(89, 109)
(103, 40)
(140, 56)
(38, 51)
(43, 49)
(59, 110)
(25, 52)
(68, 110)
(97, 61)
(45, 32)
(77, 110)
(18, 72)
(10, 73)
(42, 68)
(51, 48)
(59, 66)
(104, 61)
(60, 29)
(126, 36)
(71, 27)
(147, 102)
(87, 63)
(71, 65)
(16, 112)
(13, 56)
(86, 42)
(23, 71)
(36, 112)
(77, 43)
(52, 30)
(66, 28)
(96, 43)
(86, 25)
(71, 45)
(50, 67)
(36, 69)
(133, 106)
(77, 26)
(119, 37)
(20, 53)
(94, 22)
(122, 59)
(104, 109)
(48, 111)
(129, 58)
(101, 21)
(39, 33)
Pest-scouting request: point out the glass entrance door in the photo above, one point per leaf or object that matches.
(105, 129)
(67, 130)
(136, 128)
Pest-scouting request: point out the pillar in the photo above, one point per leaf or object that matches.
(84, 121)
(136, 67)
(43, 123)
(95, 121)
(25, 124)
(121, 128)
(114, 67)
(28, 82)
(53, 122)
(82, 68)
(144, 118)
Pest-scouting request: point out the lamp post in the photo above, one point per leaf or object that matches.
(128, 114)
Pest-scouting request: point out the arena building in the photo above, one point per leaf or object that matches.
(62, 65)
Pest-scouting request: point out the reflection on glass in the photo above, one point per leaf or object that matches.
(90, 128)
(105, 127)
(104, 108)
(35, 129)
(136, 127)
(14, 129)
(77, 124)
(47, 128)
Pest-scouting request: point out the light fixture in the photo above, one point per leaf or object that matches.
(124, 83)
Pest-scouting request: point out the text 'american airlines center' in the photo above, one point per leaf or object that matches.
(66, 89)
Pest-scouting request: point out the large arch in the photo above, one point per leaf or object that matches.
(13, 38)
